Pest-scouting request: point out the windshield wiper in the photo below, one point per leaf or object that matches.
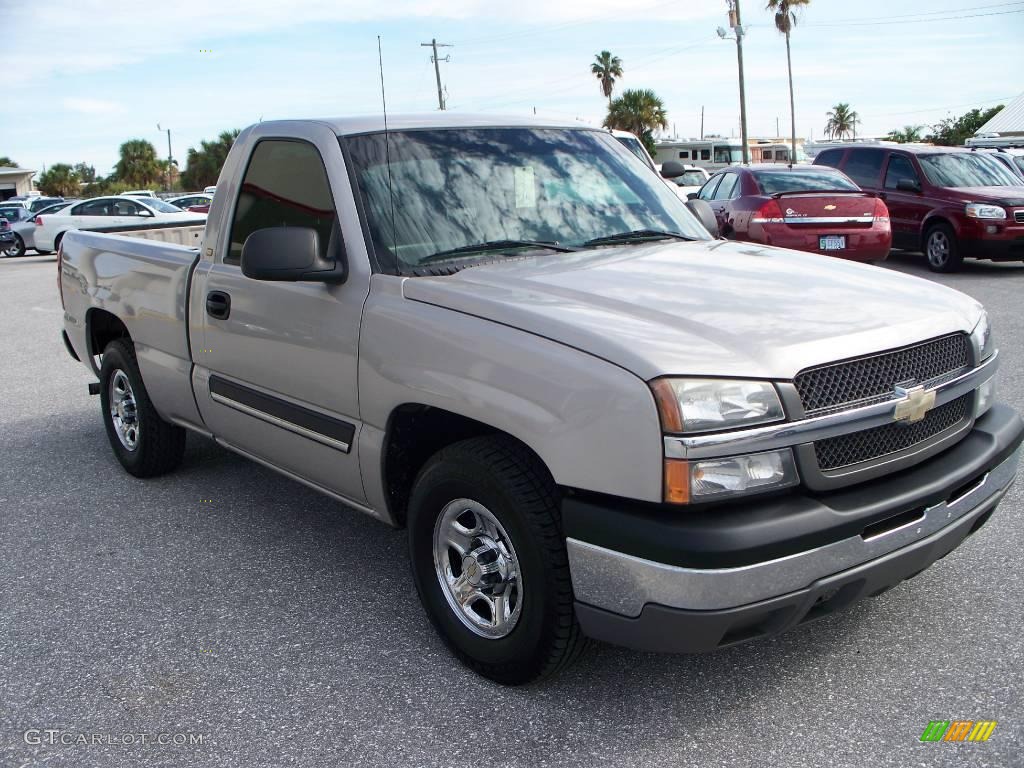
(637, 235)
(496, 245)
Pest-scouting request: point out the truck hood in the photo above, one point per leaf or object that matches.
(704, 308)
(1012, 196)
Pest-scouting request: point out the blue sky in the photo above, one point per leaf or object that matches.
(93, 73)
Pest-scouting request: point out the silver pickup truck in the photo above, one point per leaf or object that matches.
(593, 417)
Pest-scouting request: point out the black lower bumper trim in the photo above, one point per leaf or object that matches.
(659, 628)
(754, 530)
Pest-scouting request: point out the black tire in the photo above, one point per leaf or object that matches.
(56, 242)
(17, 248)
(158, 445)
(513, 485)
(941, 249)
(42, 252)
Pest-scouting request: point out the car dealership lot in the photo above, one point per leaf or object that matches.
(228, 602)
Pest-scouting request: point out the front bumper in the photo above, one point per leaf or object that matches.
(690, 581)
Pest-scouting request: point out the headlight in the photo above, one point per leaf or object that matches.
(710, 405)
(981, 338)
(710, 479)
(984, 211)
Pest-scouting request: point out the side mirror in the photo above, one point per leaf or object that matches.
(672, 169)
(908, 185)
(705, 215)
(290, 254)
(691, 195)
(145, 212)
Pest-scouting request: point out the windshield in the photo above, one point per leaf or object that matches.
(725, 154)
(802, 180)
(458, 187)
(691, 179)
(966, 169)
(158, 205)
(12, 212)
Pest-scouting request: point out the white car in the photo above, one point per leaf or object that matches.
(210, 190)
(690, 182)
(102, 212)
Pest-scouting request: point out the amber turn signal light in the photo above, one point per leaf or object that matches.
(668, 406)
(677, 481)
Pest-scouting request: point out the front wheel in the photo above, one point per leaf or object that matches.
(145, 444)
(942, 249)
(489, 560)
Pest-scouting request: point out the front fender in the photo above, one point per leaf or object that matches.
(594, 424)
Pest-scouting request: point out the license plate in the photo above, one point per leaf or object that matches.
(832, 242)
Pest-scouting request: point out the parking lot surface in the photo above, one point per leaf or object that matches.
(227, 602)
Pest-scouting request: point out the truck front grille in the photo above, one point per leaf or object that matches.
(865, 380)
(1018, 216)
(836, 452)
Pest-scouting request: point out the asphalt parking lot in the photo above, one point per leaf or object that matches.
(228, 602)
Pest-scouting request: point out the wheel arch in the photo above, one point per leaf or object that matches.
(102, 327)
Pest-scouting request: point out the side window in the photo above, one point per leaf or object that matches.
(708, 190)
(830, 157)
(126, 208)
(899, 168)
(766, 154)
(95, 208)
(285, 185)
(728, 187)
(684, 154)
(705, 154)
(864, 166)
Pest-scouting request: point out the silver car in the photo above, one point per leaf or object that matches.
(23, 226)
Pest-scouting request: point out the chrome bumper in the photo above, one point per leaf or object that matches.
(623, 584)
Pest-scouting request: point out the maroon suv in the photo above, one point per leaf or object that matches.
(949, 203)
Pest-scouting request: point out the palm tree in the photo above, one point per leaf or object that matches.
(138, 165)
(785, 19)
(6, 162)
(842, 122)
(59, 179)
(204, 164)
(908, 135)
(640, 112)
(606, 68)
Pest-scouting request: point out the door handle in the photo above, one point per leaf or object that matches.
(218, 305)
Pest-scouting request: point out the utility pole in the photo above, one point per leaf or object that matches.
(170, 157)
(702, 122)
(737, 27)
(437, 68)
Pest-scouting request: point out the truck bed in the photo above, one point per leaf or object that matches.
(190, 234)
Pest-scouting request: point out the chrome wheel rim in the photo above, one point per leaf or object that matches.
(123, 411)
(938, 248)
(477, 568)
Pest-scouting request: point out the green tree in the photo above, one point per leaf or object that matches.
(6, 162)
(842, 122)
(86, 173)
(954, 131)
(59, 180)
(606, 68)
(203, 165)
(908, 134)
(139, 165)
(785, 19)
(640, 112)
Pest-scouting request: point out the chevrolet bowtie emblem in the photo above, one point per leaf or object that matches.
(830, 207)
(912, 404)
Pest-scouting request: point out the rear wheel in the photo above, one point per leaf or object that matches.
(942, 250)
(56, 241)
(17, 248)
(489, 560)
(145, 444)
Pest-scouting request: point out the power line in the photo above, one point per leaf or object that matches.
(899, 20)
(940, 109)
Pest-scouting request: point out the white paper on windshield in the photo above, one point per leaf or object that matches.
(526, 190)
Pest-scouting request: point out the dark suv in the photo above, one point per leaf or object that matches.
(949, 203)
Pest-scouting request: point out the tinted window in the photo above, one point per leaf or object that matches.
(864, 166)
(125, 208)
(684, 154)
(728, 188)
(94, 208)
(285, 185)
(808, 179)
(460, 187)
(705, 154)
(966, 169)
(830, 157)
(900, 168)
(708, 190)
(766, 154)
(160, 205)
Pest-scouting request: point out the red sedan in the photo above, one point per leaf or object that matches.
(803, 207)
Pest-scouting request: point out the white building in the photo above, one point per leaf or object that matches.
(15, 181)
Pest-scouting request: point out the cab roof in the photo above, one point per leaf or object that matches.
(349, 126)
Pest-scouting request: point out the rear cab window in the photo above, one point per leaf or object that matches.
(285, 185)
